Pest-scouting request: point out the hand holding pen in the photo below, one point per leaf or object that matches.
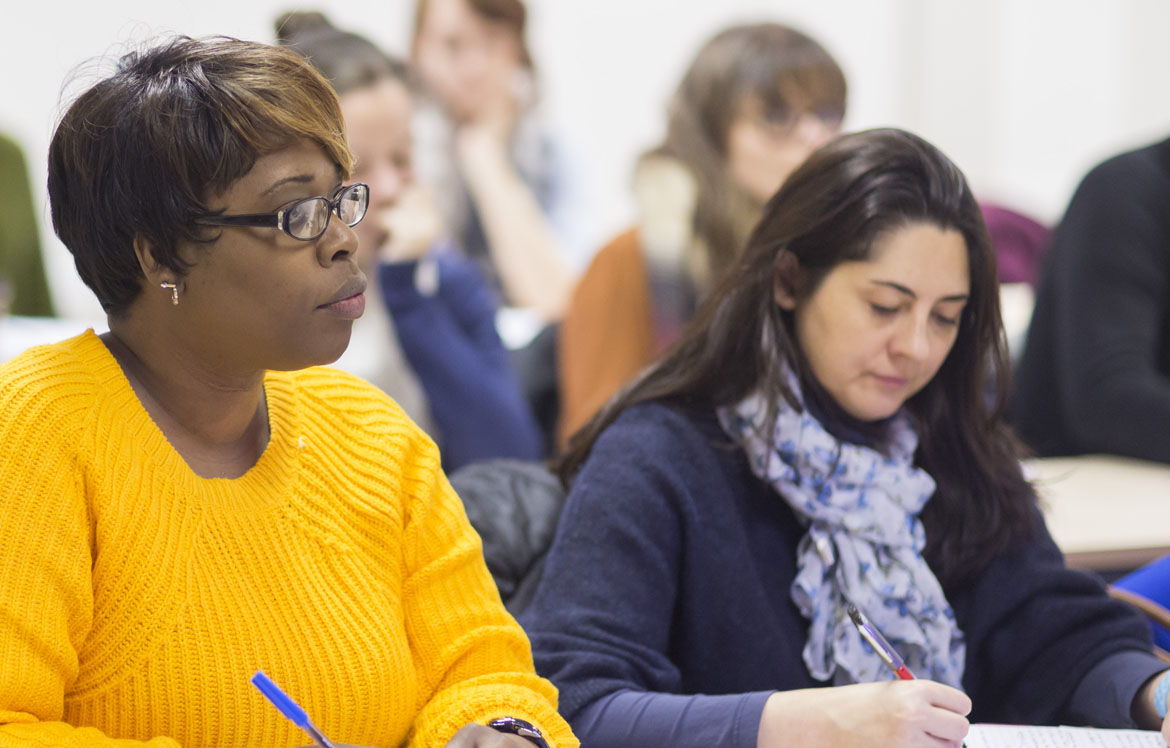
(884, 650)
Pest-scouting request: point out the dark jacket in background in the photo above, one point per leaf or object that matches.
(1095, 372)
(514, 506)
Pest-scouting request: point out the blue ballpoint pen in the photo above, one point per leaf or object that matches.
(289, 708)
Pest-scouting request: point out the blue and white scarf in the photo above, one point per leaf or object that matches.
(863, 545)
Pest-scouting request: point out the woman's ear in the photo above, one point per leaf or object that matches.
(786, 280)
(154, 271)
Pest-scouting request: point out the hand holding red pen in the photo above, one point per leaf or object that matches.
(906, 712)
(890, 714)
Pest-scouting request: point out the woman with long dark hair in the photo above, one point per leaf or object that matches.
(820, 438)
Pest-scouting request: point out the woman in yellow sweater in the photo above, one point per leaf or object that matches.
(186, 500)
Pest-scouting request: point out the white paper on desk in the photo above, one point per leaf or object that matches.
(1022, 736)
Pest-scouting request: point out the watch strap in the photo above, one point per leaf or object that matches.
(517, 726)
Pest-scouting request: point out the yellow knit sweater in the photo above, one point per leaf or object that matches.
(137, 599)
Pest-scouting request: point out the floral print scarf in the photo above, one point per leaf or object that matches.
(863, 543)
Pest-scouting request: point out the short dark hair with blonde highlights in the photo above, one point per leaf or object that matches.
(140, 152)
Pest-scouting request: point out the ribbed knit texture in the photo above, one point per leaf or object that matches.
(137, 599)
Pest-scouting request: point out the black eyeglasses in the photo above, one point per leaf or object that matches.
(305, 219)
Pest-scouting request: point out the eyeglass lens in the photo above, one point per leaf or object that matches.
(309, 218)
(351, 204)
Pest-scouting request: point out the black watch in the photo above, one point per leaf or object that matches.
(515, 726)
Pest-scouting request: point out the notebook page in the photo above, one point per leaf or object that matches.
(1022, 736)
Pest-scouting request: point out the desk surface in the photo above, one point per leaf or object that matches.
(1106, 513)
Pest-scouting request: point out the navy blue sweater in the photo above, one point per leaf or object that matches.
(450, 340)
(664, 615)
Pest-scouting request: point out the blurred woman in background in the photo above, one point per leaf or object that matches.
(756, 100)
(431, 303)
(505, 186)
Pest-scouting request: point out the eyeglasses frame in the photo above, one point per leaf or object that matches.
(278, 219)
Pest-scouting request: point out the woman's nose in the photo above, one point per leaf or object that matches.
(338, 242)
(912, 338)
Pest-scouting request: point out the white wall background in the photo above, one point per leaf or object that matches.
(1024, 95)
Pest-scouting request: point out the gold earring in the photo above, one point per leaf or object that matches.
(174, 292)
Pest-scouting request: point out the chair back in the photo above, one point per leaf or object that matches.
(1158, 616)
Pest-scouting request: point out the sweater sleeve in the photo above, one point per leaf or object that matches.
(632, 719)
(473, 660)
(46, 598)
(1036, 632)
(1106, 694)
(1113, 285)
(605, 637)
(450, 339)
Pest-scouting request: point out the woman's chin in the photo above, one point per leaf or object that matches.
(873, 410)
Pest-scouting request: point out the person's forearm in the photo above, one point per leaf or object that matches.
(532, 266)
(1117, 692)
(635, 719)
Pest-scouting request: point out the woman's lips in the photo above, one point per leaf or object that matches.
(892, 383)
(350, 301)
(350, 307)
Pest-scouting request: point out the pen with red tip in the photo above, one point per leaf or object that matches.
(880, 645)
